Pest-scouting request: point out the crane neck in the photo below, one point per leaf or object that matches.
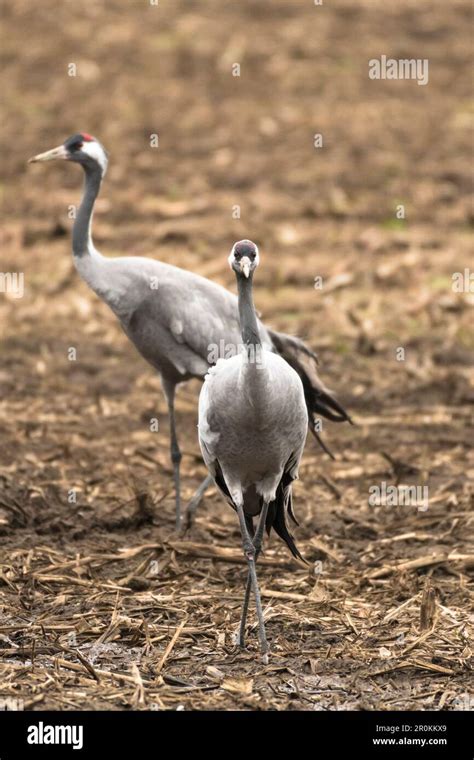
(81, 234)
(248, 318)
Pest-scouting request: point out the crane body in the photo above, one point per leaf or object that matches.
(253, 422)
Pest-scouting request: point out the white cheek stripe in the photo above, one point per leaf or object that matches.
(95, 151)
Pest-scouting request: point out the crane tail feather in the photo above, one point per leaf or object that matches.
(277, 509)
(320, 401)
(276, 519)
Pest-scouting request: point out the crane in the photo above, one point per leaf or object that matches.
(253, 422)
(171, 315)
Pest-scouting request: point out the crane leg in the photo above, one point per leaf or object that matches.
(175, 451)
(195, 501)
(250, 555)
(257, 542)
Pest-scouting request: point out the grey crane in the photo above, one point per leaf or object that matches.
(175, 318)
(252, 426)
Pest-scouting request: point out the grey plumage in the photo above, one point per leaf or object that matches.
(176, 319)
(253, 422)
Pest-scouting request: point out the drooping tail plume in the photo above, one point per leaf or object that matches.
(320, 402)
(277, 512)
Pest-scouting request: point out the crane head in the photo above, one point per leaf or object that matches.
(244, 257)
(81, 148)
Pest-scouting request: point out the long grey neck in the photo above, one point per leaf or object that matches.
(248, 318)
(81, 233)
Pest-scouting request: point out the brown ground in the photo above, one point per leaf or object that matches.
(87, 617)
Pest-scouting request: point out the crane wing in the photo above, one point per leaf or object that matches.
(186, 321)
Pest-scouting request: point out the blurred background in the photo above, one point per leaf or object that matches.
(244, 141)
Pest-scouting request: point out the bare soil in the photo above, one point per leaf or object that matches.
(101, 605)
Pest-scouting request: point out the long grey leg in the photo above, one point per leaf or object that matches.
(195, 501)
(245, 609)
(175, 451)
(257, 542)
(250, 555)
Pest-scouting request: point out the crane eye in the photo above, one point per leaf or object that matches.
(77, 145)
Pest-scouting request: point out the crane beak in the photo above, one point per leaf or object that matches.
(50, 155)
(245, 266)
